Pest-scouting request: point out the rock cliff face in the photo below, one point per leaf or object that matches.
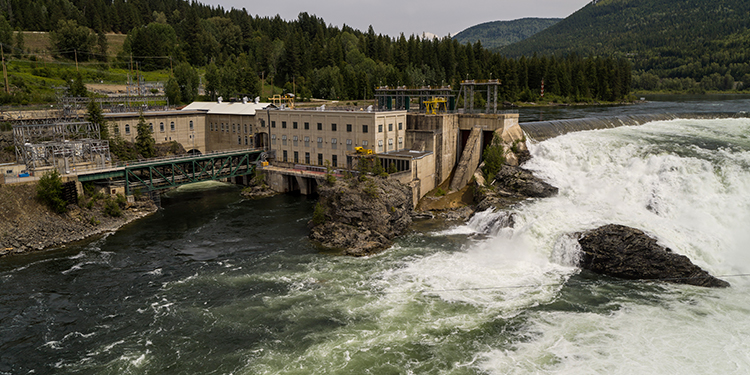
(27, 225)
(512, 184)
(361, 217)
(628, 253)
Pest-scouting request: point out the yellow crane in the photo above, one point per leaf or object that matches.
(433, 105)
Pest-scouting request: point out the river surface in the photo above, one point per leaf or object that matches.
(214, 284)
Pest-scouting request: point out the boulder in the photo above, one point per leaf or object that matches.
(522, 182)
(361, 217)
(628, 253)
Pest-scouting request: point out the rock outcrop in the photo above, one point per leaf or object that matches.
(27, 225)
(629, 253)
(361, 217)
(511, 185)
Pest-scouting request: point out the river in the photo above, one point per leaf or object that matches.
(214, 284)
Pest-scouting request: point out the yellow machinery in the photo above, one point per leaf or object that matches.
(363, 151)
(433, 105)
(286, 99)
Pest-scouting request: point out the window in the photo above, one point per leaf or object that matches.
(380, 128)
(127, 128)
(320, 126)
(390, 144)
(245, 128)
(307, 158)
(333, 127)
(245, 140)
(364, 143)
(222, 126)
(161, 126)
(348, 145)
(117, 129)
(380, 145)
(334, 160)
(284, 155)
(294, 140)
(400, 143)
(348, 128)
(151, 127)
(400, 126)
(283, 124)
(296, 157)
(320, 142)
(239, 140)
(334, 142)
(273, 139)
(273, 124)
(307, 141)
(390, 127)
(307, 126)
(191, 124)
(171, 126)
(262, 123)
(294, 125)
(283, 140)
(364, 128)
(320, 159)
(234, 128)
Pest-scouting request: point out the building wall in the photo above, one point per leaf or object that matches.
(230, 132)
(167, 126)
(331, 135)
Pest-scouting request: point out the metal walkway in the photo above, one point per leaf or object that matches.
(165, 173)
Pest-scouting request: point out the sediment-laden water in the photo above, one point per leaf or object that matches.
(213, 284)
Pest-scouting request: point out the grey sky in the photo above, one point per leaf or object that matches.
(392, 17)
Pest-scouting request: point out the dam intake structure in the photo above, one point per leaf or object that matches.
(543, 130)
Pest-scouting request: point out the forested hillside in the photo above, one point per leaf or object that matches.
(233, 50)
(496, 34)
(683, 45)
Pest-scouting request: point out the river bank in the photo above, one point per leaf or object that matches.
(28, 225)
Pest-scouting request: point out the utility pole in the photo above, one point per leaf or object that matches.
(5, 71)
(76, 53)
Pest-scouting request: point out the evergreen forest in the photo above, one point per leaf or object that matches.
(673, 45)
(231, 51)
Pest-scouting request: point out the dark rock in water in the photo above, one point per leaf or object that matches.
(628, 253)
(511, 185)
(522, 182)
(361, 217)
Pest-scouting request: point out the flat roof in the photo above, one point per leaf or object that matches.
(414, 154)
(226, 108)
(152, 113)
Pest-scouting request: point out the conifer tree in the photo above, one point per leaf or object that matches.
(144, 141)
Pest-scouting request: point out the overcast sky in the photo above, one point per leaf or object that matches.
(391, 17)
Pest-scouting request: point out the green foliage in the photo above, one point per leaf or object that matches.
(370, 189)
(672, 44)
(77, 88)
(392, 168)
(20, 44)
(121, 201)
(49, 191)
(377, 168)
(319, 214)
(137, 194)
(440, 192)
(151, 46)
(94, 221)
(493, 159)
(122, 149)
(6, 126)
(330, 178)
(497, 34)
(95, 116)
(6, 32)
(144, 142)
(172, 91)
(187, 81)
(111, 208)
(72, 40)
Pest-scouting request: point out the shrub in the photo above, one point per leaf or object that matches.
(121, 201)
(493, 160)
(49, 191)
(111, 208)
(440, 192)
(319, 214)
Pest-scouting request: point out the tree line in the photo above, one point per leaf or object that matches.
(233, 50)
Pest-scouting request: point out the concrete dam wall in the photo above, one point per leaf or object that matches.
(542, 130)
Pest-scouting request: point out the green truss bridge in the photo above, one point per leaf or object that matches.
(158, 174)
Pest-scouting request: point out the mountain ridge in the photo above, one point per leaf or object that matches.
(496, 34)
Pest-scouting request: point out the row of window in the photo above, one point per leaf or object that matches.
(236, 128)
(296, 159)
(334, 142)
(334, 127)
(151, 126)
